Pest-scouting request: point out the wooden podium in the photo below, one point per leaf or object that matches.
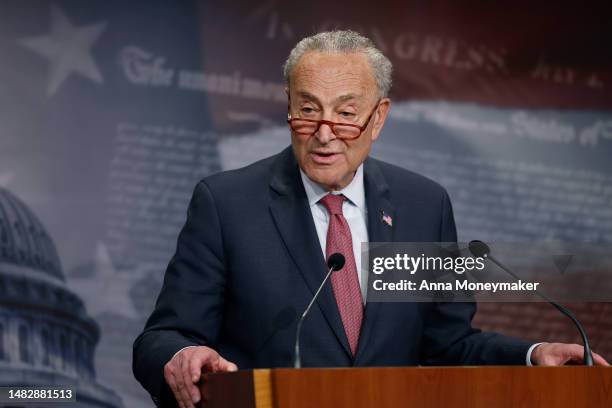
(457, 387)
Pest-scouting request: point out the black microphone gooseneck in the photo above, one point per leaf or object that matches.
(480, 249)
(334, 263)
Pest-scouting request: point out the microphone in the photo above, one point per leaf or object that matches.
(335, 262)
(482, 250)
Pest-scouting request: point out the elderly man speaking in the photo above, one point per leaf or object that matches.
(253, 249)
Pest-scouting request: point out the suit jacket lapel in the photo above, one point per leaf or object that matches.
(293, 218)
(379, 230)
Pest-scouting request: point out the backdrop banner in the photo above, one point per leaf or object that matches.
(111, 111)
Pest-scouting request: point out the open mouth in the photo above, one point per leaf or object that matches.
(324, 157)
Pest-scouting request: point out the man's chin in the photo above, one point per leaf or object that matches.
(326, 180)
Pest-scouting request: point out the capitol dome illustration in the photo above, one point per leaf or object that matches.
(46, 337)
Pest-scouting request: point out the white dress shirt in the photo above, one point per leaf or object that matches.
(354, 211)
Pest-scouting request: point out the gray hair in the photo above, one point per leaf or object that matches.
(344, 42)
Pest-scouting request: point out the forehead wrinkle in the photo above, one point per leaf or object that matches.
(332, 77)
(308, 95)
(343, 79)
(349, 90)
(341, 98)
(348, 97)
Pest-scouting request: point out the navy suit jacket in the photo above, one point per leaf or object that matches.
(248, 262)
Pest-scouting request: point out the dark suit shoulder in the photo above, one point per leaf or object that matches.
(244, 180)
(405, 182)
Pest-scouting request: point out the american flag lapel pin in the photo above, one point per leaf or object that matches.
(386, 218)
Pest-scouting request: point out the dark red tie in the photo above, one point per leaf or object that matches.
(345, 282)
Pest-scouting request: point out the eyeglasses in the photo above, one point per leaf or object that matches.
(346, 131)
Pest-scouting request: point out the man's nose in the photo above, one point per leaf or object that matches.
(325, 134)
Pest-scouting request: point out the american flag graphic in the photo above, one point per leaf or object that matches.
(387, 219)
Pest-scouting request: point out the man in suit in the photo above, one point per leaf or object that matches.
(252, 252)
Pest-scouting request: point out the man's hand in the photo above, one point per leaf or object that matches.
(184, 370)
(556, 354)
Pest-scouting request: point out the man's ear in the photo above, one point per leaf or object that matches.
(380, 116)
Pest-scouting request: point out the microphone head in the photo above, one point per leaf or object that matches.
(479, 249)
(336, 261)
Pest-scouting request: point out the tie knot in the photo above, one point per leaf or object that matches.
(333, 203)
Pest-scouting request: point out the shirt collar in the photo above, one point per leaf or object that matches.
(354, 192)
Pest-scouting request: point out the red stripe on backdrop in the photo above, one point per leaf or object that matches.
(531, 56)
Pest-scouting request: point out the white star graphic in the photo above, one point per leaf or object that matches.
(68, 49)
(107, 290)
